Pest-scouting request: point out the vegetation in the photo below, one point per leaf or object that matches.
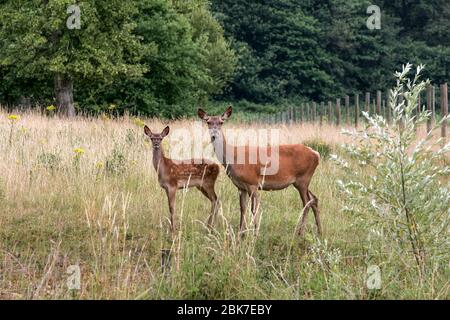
(318, 49)
(83, 192)
(149, 56)
(404, 204)
(163, 58)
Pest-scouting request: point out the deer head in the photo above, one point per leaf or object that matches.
(215, 122)
(156, 138)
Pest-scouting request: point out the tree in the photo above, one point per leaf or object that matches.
(281, 54)
(36, 43)
(319, 49)
(190, 61)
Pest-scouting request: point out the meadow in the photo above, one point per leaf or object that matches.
(84, 192)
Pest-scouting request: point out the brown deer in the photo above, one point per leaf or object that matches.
(296, 166)
(174, 175)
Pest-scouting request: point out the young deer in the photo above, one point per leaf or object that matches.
(174, 175)
(296, 166)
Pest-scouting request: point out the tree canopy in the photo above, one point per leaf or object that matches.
(318, 49)
(150, 56)
(165, 57)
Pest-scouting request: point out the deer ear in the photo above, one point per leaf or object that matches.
(202, 114)
(165, 132)
(227, 113)
(147, 131)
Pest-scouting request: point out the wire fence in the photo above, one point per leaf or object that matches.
(347, 111)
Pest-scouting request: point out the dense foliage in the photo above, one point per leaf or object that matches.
(403, 204)
(318, 49)
(151, 56)
(165, 57)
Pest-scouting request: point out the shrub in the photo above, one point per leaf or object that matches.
(395, 191)
(49, 160)
(116, 163)
(323, 148)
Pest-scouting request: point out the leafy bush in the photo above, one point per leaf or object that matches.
(323, 148)
(396, 193)
(116, 163)
(49, 160)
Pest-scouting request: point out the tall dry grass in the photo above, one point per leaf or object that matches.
(83, 192)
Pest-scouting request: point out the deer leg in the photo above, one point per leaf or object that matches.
(243, 201)
(255, 208)
(210, 193)
(215, 206)
(315, 207)
(303, 191)
(171, 193)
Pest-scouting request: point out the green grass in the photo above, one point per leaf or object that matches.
(111, 220)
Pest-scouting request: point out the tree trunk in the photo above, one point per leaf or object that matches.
(63, 86)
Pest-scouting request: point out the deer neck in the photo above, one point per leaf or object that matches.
(158, 160)
(220, 149)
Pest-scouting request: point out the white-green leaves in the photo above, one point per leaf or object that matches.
(400, 188)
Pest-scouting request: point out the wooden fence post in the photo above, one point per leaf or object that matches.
(321, 111)
(418, 108)
(368, 102)
(330, 113)
(444, 109)
(308, 112)
(314, 107)
(294, 114)
(383, 109)
(389, 108)
(302, 113)
(419, 104)
(347, 110)
(291, 115)
(338, 112)
(378, 103)
(429, 108)
(433, 104)
(356, 110)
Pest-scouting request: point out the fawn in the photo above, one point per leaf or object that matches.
(174, 175)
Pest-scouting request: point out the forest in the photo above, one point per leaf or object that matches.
(164, 58)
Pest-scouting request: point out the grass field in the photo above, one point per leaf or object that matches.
(84, 192)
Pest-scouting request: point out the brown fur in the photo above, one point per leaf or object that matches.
(174, 175)
(297, 164)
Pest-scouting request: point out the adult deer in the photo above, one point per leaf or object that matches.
(296, 166)
(174, 175)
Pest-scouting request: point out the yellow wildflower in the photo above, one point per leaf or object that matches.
(78, 151)
(139, 122)
(50, 108)
(14, 117)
